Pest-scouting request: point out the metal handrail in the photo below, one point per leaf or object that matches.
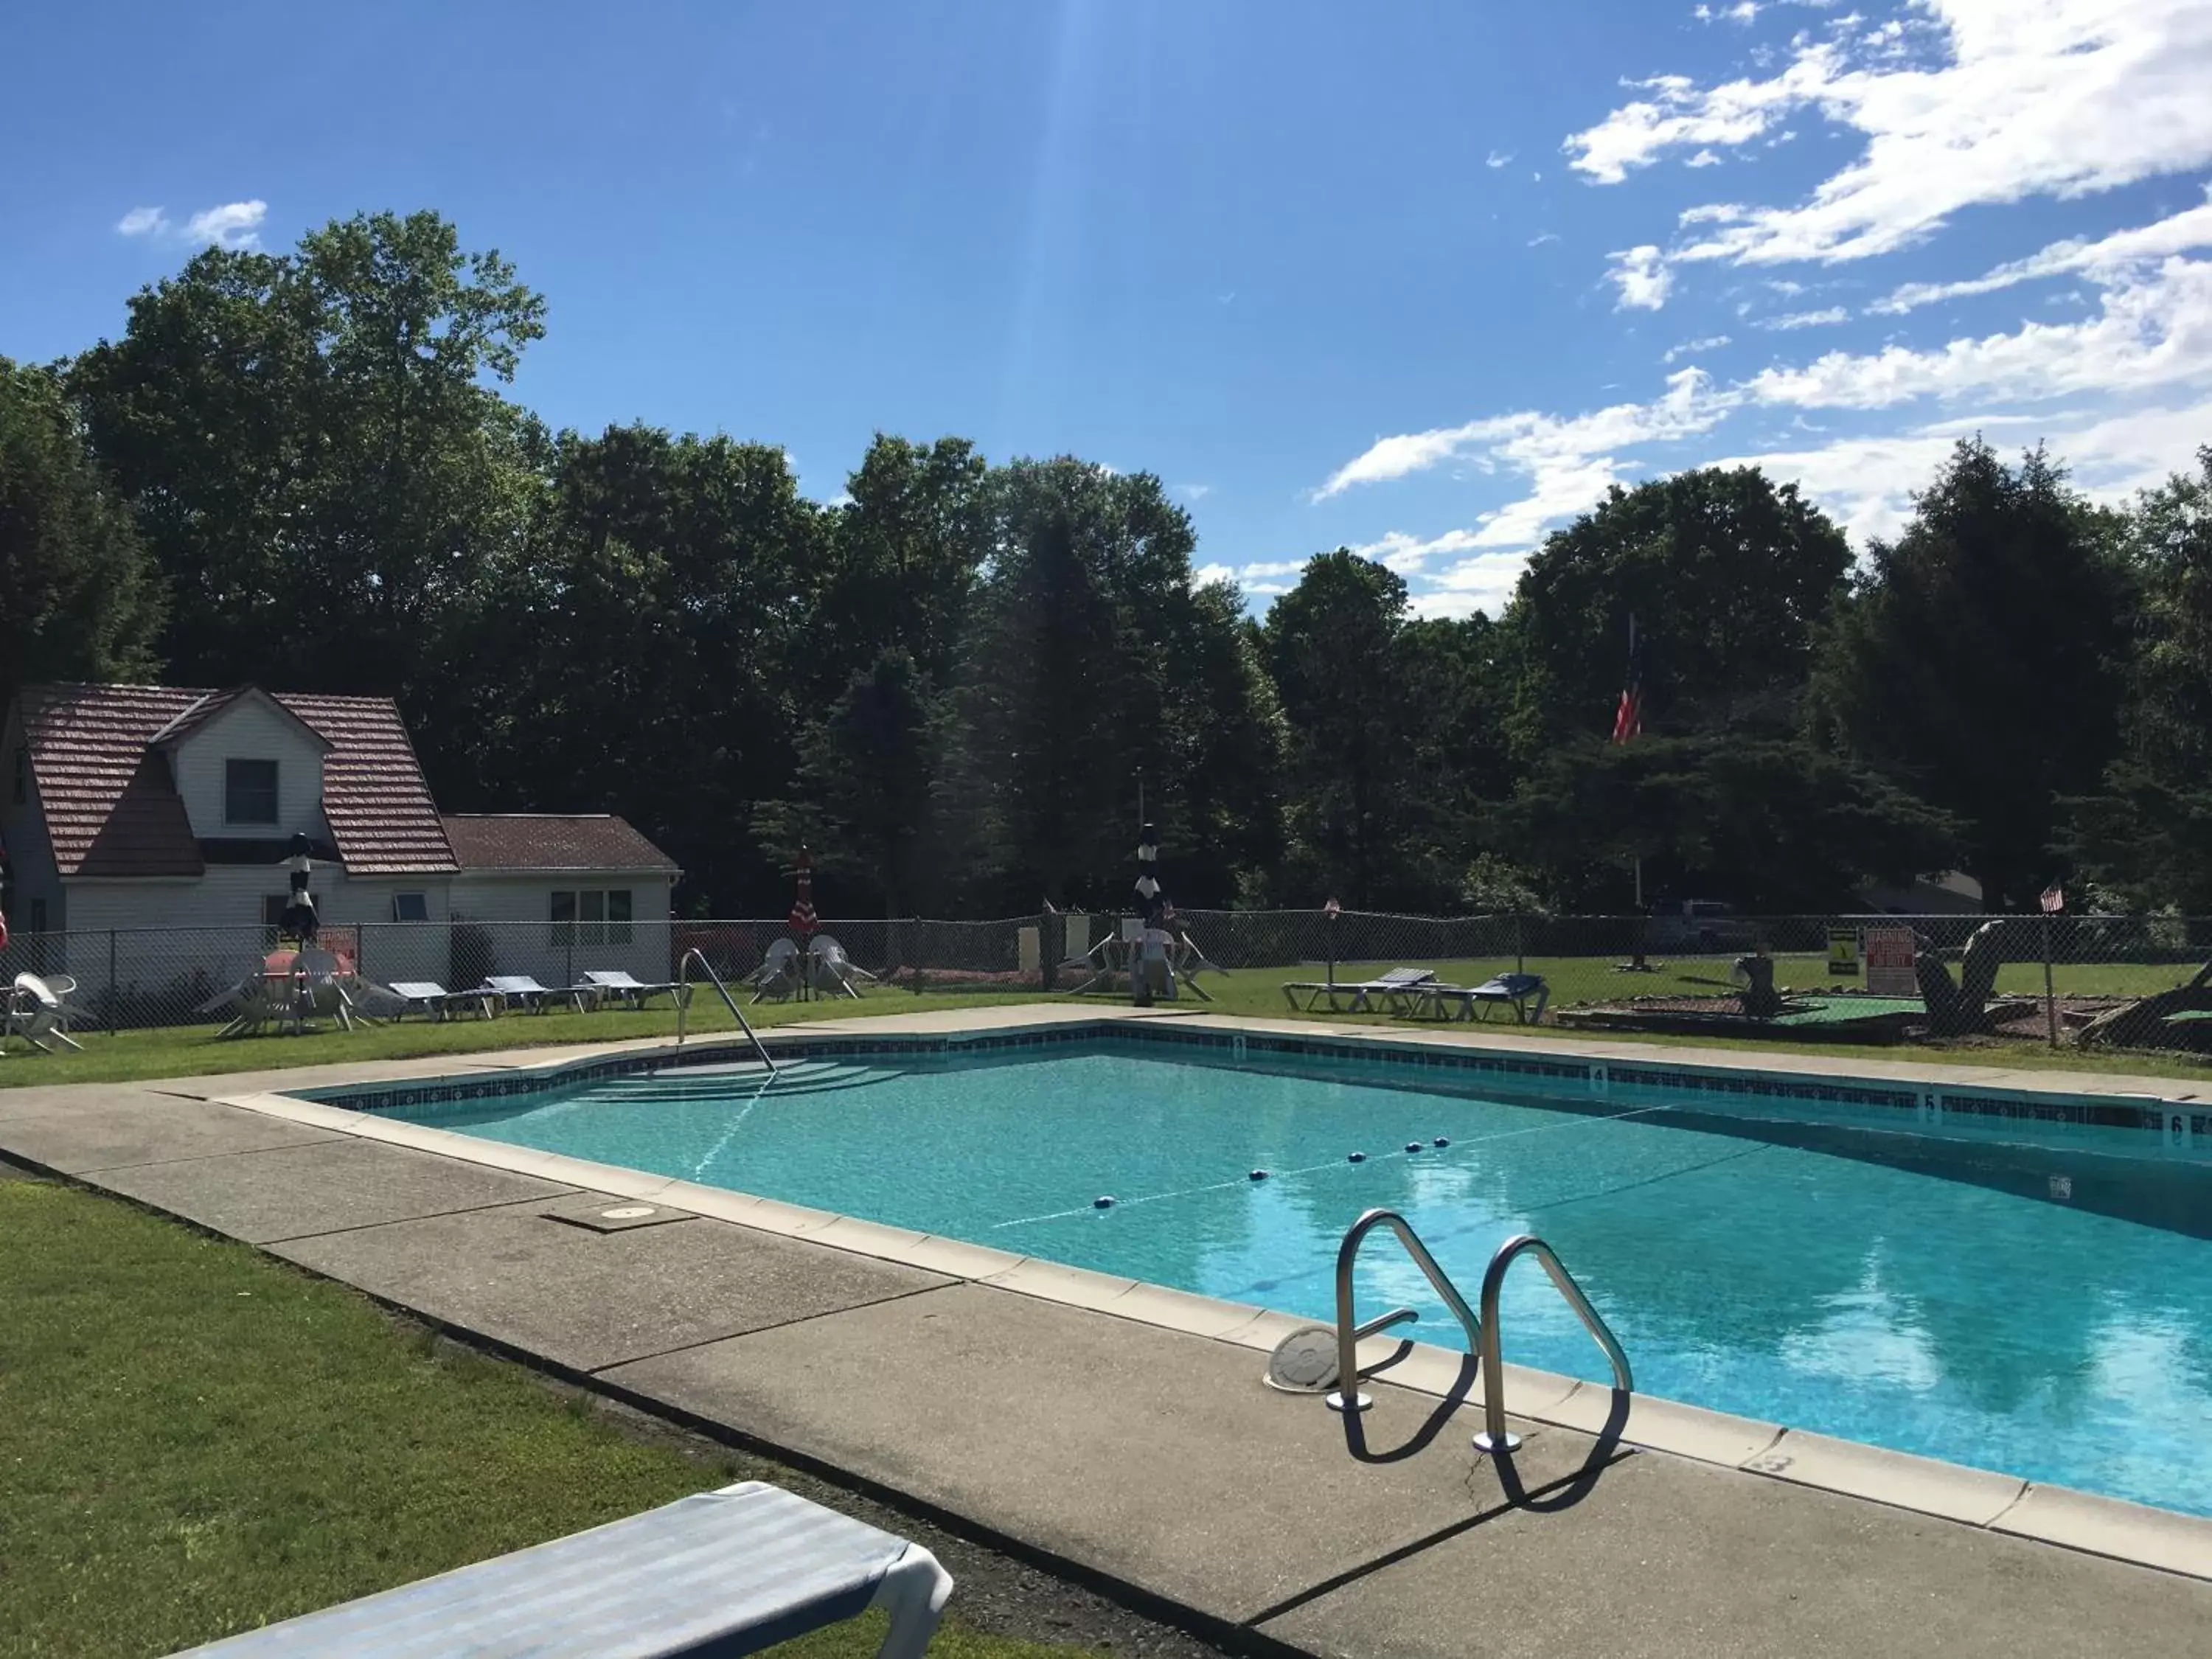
(1495, 1436)
(684, 1003)
(1348, 1336)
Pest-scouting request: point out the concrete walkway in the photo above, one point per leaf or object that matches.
(1147, 1456)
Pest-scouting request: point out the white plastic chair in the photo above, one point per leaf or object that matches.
(37, 1014)
(777, 976)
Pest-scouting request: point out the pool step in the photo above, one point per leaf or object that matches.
(722, 1082)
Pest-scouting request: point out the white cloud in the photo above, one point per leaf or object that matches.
(1808, 318)
(1543, 237)
(1641, 275)
(1482, 583)
(1703, 158)
(1742, 12)
(1568, 463)
(2152, 332)
(2111, 256)
(1498, 158)
(2017, 99)
(1407, 554)
(1194, 492)
(1867, 483)
(233, 225)
(1692, 348)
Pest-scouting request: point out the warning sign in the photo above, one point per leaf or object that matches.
(1889, 963)
(1843, 953)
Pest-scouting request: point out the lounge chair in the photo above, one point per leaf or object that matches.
(37, 1014)
(1393, 988)
(731, 1572)
(1515, 991)
(623, 985)
(834, 971)
(778, 974)
(434, 1000)
(1189, 962)
(526, 990)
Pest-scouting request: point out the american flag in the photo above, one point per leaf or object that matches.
(1628, 719)
(2054, 899)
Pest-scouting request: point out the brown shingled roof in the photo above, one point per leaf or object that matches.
(548, 841)
(112, 810)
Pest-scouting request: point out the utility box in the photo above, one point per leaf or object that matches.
(1029, 951)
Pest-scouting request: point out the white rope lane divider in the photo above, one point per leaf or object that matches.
(1578, 1121)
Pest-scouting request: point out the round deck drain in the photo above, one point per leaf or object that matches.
(1305, 1362)
(627, 1213)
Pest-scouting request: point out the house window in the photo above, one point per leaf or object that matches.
(249, 792)
(589, 915)
(410, 907)
(272, 908)
(38, 915)
(19, 767)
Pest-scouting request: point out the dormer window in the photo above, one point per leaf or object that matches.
(19, 767)
(249, 792)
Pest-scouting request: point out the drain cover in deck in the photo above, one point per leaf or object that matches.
(1305, 1362)
(612, 1215)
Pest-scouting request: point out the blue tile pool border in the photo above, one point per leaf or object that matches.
(2131, 1125)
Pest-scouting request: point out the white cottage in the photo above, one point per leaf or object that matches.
(129, 811)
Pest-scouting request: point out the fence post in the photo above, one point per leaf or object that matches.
(1520, 946)
(114, 993)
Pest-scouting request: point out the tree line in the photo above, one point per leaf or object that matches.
(956, 682)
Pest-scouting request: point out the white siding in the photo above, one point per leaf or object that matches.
(171, 936)
(251, 729)
(515, 910)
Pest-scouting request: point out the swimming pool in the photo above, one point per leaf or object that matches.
(2027, 1290)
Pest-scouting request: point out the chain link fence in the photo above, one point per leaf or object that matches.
(139, 977)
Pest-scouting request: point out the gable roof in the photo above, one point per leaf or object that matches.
(112, 810)
(217, 702)
(551, 841)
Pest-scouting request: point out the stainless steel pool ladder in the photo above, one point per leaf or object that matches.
(1482, 1337)
(684, 1003)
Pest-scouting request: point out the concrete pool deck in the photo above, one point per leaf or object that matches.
(1122, 1429)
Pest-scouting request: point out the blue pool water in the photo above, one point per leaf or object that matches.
(1937, 1298)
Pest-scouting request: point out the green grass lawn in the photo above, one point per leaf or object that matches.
(188, 1051)
(196, 1050)
(196, 1439)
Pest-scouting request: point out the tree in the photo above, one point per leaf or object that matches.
(1332, 644)
(78, 597)
(865, 792)
(1772, 825)
(1979, 663)
(1093, 670)
(313, 454)
(1728, 577)
(2147, 836)
(647, 655)
(905, 555)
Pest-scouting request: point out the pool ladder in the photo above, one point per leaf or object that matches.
(1482, 1338)
(684, 1003)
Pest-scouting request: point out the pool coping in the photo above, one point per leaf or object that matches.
(2142, 1535)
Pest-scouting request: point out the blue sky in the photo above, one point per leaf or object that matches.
(1419, 279)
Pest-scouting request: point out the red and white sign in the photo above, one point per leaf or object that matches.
(2054, 899)
(1889, 953)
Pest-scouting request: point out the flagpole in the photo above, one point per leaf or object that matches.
(1627, 723)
